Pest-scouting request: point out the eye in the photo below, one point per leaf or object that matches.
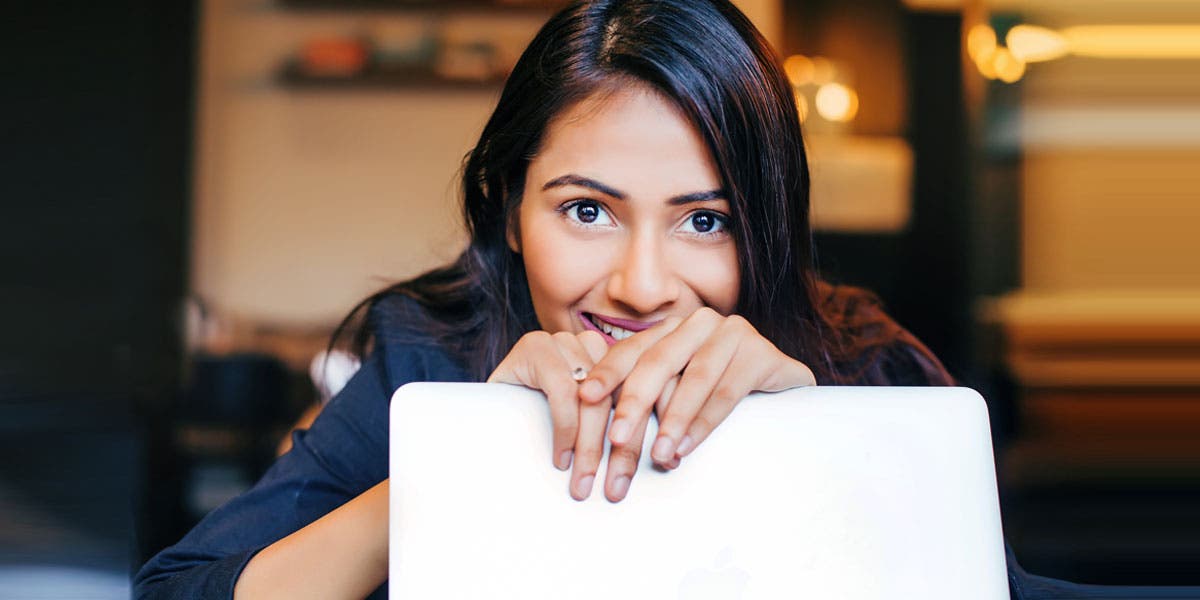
(705, 222)
(587, 212)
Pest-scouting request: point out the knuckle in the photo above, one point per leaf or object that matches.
(703, 370)
(738, 323)
(672, 424)
(534, 338)
(587, 455)
(630, 401)
(563, 337)
(706, 313)
(654, 356)
(589, 336)
(702, 424)
(726, 393)
(565, 435)
(636, 393)
(629, 453)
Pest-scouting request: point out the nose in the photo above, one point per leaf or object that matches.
(642, 280)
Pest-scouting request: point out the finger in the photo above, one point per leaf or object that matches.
(589, 446)
(516, 368)
(620, 359)
(594, 343)
(664, 399)
(661, 362)
(739, 380)
(536, 362)
(595, 347)
(792, 373)
(660, 408)
(695, 387)
(622, 464)
(660, 411)
(564, 411)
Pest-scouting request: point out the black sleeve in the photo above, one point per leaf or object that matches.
(343, 454)
(1024, 586)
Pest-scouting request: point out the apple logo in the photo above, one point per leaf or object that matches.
(721, 582)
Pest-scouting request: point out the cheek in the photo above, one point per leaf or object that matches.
(560, 269)
(716, 277)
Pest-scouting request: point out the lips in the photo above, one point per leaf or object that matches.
(612, 328)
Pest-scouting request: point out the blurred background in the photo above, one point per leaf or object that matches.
(196, 191)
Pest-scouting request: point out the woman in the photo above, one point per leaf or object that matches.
(639, 241)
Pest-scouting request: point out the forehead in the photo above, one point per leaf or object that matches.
(632, 136)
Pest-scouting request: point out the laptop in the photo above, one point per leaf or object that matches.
(820, 492)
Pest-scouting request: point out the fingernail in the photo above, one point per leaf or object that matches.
(564, 460)
(662, 450)
(583, 488)
(686, 445)
(590, 389)
(621, 430)
(620, 486)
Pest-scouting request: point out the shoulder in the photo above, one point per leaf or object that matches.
(870, 347)
(406, 343)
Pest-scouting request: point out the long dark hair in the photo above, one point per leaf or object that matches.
(706, 57)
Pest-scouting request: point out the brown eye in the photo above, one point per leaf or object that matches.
(587, 212)
(705, 222)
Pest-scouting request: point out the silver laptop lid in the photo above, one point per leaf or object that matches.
(824, 492)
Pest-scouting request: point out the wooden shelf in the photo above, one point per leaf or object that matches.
(509, 6)
(382, 78)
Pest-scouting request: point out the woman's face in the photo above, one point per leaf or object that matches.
(623, 219)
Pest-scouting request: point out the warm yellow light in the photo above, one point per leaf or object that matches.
(823, 70)
(802, 107)
(836, 102)
(799, 69)
(1008, 68)
(1030, 43)
(1134, 41)
(986, 64)
(981, 41)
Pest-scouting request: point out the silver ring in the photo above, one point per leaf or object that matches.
(579, 374)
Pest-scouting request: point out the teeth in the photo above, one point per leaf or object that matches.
(616, 332)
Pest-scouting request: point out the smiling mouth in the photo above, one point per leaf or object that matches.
(613, 333)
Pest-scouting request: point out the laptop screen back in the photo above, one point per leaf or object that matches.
(820, 492)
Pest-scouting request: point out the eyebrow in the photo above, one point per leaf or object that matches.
(579, 180)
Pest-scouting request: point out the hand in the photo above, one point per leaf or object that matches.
(722, 359)
(546, 362)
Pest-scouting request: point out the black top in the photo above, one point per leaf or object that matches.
(345, 452)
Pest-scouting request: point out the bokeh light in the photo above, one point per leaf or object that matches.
(836, 102)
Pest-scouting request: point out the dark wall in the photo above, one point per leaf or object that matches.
(97, 132)
(94, 201)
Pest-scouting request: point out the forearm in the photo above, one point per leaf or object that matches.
(341, 555)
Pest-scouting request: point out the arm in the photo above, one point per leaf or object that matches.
(332, 464)
(322, 500)
(341, 555)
